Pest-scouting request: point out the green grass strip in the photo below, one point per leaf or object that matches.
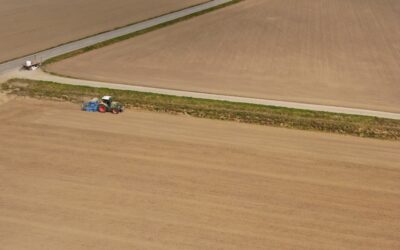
(362, 126)
(82, 38)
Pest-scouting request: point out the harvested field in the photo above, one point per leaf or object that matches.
(30, 26)
(139, 180)
(332, 52)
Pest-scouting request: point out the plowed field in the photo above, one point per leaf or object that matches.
(33, 25)
(332, 52)
(139, 180)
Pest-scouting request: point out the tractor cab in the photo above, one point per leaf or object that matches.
(107, 100)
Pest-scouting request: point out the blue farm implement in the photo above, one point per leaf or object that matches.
(103, 105)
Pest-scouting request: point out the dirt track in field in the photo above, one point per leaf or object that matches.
(331, 52)
(30, 26)
(139, 180)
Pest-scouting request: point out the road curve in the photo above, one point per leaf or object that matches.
(72, 46)
(42, 76)
(10, 69)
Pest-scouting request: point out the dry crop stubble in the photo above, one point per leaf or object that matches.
(332, 52)
(144, 180)
(30, 26)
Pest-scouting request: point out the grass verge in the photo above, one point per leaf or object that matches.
(362, 126)
(99, 33)
(131, 35)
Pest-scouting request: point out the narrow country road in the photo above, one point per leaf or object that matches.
(72, 46)
(10, 69)
(42, 76)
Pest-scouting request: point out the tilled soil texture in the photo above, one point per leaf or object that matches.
(139, 180)
(332, 52)
(30, 26)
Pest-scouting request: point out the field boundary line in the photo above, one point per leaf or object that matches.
(217, 108)
(116, 35)
(39, 75)
(99, 33)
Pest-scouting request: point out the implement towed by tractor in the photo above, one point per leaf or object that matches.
(105, 104)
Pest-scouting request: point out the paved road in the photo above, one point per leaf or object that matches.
(72, 46)
(40, 75)
(9, 69)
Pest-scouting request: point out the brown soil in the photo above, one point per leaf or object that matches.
(332, 52)
(76, 180)
(30, 26)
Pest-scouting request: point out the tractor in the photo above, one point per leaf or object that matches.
(106, 104)
(29, 65)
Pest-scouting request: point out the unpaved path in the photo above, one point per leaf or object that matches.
(75, 180)
(307, 103)
(330, 52)
(34, 25)
(72, 46)
(40, 75)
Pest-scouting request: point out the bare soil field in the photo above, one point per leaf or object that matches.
(140, 180)
(332, 52)
(30, 26)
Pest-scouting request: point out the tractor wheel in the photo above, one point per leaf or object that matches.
(115, 111)
(102, 109)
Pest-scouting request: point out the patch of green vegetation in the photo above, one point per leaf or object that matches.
(82, 38)
(362, 126)
(134, 34)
